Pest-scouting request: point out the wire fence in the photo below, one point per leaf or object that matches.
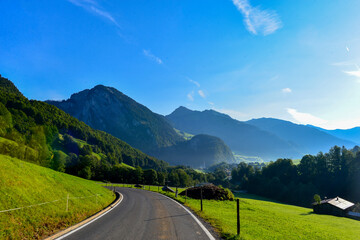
(44, 203)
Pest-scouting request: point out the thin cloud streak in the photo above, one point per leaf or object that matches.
(93, 7)
(194, 82)
(353, 73)
(306, 118)
(258, 21)
(152, 57)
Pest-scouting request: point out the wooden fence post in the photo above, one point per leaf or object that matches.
(238, 216)
(201, 198)
(67, 203)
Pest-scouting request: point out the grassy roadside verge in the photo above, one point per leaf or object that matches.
(24, 184)
(264, 219)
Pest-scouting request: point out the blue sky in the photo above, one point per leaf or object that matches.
(294, 60)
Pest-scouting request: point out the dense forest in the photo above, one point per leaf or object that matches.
(336, 173)
(43, 134)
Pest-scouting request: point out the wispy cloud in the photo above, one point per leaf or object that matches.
(93, 7)
(201, 93)
(194, 82)
(306, 118)
(152, 57)
(286, 90)
(190, 96)
(258, 21)
(353, 73)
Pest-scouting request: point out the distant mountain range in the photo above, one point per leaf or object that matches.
(241, 137)
(352, 134)
(198, 138)
(109, 110)
(304, 138)
(266, 137)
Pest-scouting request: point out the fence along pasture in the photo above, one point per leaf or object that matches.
(44, 203)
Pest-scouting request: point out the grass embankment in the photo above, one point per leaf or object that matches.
(264, 219)
(23, 184)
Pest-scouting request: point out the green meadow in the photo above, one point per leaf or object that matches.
(24, 184)
(261, 218)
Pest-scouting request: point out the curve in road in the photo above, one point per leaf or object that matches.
(143, 215)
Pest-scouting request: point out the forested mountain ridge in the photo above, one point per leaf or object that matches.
(108, 109)
(41, 133)
(241, 137)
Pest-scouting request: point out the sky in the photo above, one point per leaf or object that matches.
(293, 60)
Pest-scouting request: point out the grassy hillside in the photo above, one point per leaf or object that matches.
(261, 219)
(23, 184)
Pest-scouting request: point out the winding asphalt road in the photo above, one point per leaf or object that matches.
(143, 215)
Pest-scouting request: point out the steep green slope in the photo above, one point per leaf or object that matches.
(24, 184)
(41, 133)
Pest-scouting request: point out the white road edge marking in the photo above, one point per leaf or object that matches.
(77, 229)
(195, 218)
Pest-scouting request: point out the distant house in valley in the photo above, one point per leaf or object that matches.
(334, 206)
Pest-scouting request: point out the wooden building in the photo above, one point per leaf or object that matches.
(333, 206)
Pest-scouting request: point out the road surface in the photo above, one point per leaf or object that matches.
(143, 215)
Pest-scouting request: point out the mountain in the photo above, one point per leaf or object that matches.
(241, 137)
(43, 134)
(305, 138)
(107, 109)
(200, 151)
(352, 134)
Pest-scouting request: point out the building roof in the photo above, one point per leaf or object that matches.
(338, 202)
